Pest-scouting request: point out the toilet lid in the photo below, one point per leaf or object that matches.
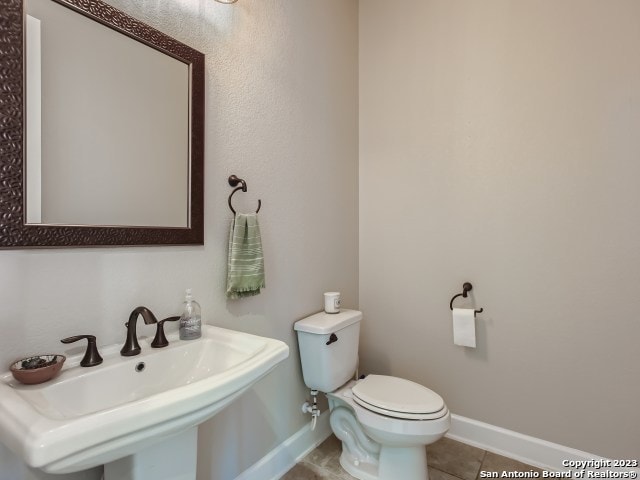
(397, 397)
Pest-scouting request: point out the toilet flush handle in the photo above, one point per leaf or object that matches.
(332, 338)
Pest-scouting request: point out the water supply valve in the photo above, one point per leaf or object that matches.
(312, 408)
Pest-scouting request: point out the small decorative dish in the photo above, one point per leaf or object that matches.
(37, 369)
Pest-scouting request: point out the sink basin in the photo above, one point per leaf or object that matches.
(92, 416)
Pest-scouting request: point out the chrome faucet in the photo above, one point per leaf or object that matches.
(131, 346)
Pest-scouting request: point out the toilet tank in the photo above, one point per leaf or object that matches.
(329, 362)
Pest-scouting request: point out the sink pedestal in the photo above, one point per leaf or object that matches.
(173, 458)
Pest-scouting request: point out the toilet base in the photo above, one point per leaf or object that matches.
(361, 471)
(394, 463)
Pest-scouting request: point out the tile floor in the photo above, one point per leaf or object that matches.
(448, 460)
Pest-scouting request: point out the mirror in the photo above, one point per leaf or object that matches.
(102, 130)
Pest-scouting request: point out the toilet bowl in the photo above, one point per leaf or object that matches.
(393, 448)
(384, 422)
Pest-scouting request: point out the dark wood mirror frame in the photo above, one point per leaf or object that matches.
(14, 233)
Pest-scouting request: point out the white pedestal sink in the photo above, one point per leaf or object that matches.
(136, 415)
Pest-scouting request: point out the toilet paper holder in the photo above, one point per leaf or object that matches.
(466, 288)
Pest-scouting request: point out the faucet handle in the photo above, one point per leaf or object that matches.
(91, 355)
(160, 340)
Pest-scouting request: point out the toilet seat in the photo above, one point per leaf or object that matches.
(405, 428)
(398, 398)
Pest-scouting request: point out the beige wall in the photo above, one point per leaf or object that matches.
(281, 112)
(499, 144)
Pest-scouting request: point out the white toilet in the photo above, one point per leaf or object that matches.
(384, 422)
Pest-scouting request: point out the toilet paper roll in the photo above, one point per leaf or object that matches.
(464, 327)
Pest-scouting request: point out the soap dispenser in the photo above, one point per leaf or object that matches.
(190, 321)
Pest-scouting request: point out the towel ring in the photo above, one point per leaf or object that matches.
(466, 288)
(234, 181)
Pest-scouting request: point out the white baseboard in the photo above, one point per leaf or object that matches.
(282, 458)
(526, 449)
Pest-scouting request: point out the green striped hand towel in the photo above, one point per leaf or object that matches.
(245, 269)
